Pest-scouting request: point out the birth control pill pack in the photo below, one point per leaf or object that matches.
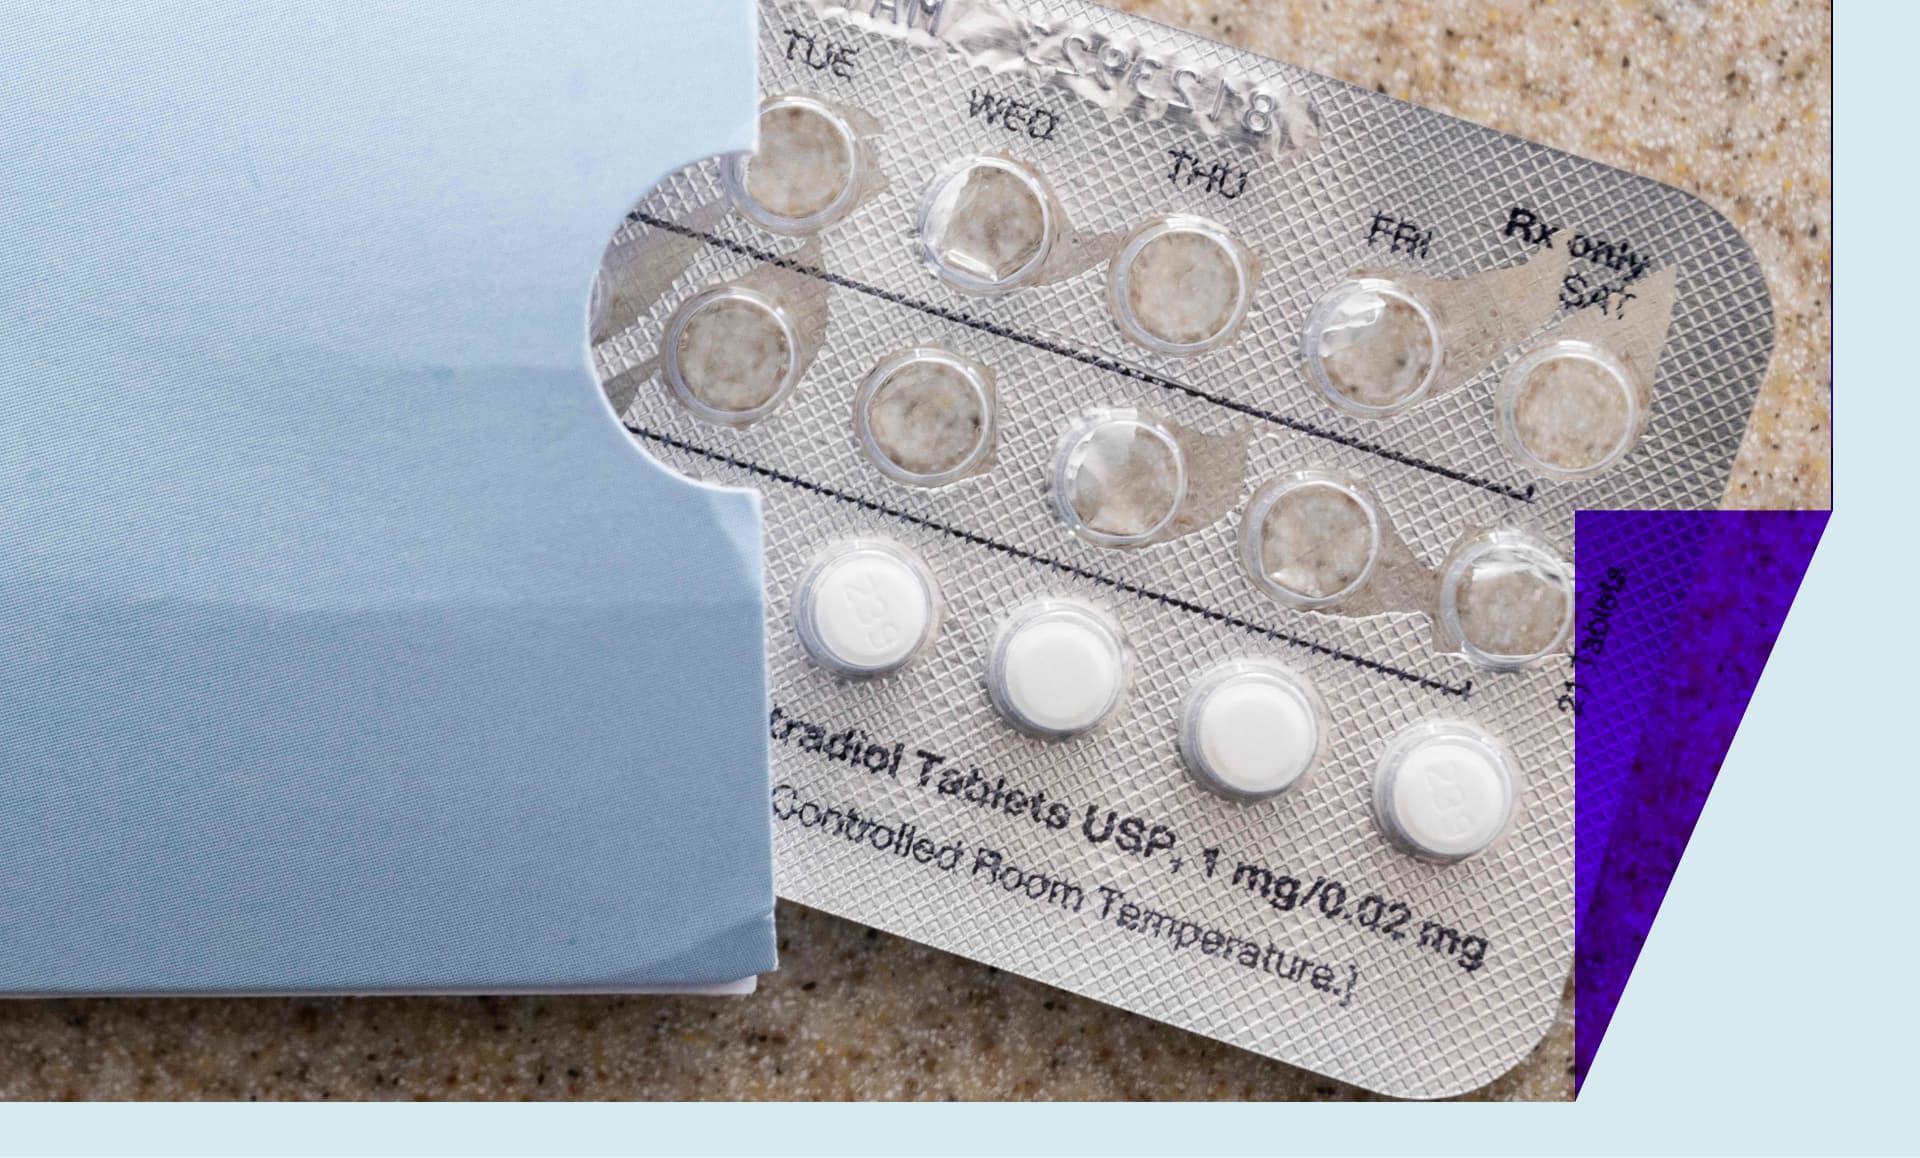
(1170, 460)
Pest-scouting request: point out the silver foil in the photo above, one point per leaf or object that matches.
(1339, 983)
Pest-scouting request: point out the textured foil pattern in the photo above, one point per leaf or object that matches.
(1290, 927)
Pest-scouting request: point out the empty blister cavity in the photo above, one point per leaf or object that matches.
(987, 225)
(1057, 669)
(866, 608)
(806, 173)
(1252, 729)
(1119, 478)
(1386, 340)
(1570, 409)
(1311, 539)
(925, 416)
(732, 355)
(1445, 790)
(1373, 347)
(1180, 285)
(1506, 600)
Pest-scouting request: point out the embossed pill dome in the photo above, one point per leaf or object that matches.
(866, 609)
(1311, 539)
(1445, 790)
(805, 171)
(1250, 730)
(1057, 669)
(1180, 285)
(1571, 409)
(925, 416)
(1372, 347)
(986, 224)
(731, 355)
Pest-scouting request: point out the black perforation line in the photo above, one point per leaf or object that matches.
(1084, 357)
(1462, 690)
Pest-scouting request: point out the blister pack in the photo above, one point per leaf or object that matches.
(1170, 460)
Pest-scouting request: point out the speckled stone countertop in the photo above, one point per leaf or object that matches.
(1729, 101)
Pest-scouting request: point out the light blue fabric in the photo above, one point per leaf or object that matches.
(346, 642)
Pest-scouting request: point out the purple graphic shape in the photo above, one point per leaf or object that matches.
(1750, 564)
(1635, 571)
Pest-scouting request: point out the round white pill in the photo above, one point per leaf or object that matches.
(866, 608)
(1057, 669)
(1445, 790)
(1251, 730)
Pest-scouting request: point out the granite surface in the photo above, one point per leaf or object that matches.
(1730, 101)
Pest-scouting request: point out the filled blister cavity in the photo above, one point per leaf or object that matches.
(1506, 600)
(1180, 285)
(1057, 669)
(1445, 790)
(732, 355)
(1373, 348)
(866, 608)
(987, 225)
(925, 416)
(806, 172)
(1311, 539)
(1251, 729)
(1570, 409)
(1120, 478)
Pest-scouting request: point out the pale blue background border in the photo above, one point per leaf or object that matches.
(1774, 1008)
